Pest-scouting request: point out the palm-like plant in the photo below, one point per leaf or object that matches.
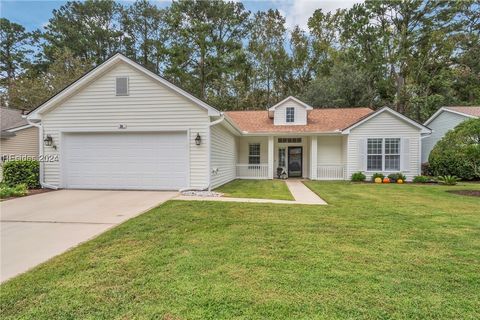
(448, 180)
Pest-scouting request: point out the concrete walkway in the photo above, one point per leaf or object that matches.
(302, 194)
(299, 191)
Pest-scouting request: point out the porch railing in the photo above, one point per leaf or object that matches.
(252, 171)
(330, 172)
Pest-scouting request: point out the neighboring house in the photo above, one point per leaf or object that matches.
(18, 139)
(123, 127)
(442, 121)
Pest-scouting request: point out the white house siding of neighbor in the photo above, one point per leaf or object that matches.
(122, 127)
(444, 120)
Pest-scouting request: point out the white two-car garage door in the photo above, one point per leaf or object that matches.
(146, 161)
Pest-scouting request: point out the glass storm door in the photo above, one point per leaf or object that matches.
(294, 161)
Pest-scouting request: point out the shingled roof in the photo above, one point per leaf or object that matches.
(321, 120)
(471, 111)
(11, 118)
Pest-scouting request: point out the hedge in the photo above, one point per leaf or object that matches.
(458, 152)
(17, 172)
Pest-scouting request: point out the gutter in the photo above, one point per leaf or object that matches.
(222, 117)
(40, 151)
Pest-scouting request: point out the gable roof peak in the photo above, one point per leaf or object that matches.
(423, 128)
(303, 104)
(466, 111)
(100, 69)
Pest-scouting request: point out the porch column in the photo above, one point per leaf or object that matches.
(313, 157)
(270, 157)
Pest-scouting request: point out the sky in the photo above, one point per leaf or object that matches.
(35, 14)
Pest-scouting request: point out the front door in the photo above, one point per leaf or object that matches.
(294, 161)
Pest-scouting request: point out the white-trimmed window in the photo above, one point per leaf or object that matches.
(254, 153)
(121, 86)
(392, 154)
(281, 157)
(383, 154)
(374, 154)
(290, 114)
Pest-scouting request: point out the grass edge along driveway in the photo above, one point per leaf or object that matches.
(376, 252)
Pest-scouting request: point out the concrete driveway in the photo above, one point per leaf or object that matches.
(39, 227)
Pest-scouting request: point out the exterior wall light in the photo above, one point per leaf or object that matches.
(198, 139)
(48, 141)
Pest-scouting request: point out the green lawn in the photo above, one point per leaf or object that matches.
(376, 251)
(258, 189)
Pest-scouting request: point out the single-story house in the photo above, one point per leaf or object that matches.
(442, 121)
(121, 126)
(18, 138)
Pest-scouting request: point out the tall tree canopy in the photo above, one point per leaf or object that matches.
(412, 55)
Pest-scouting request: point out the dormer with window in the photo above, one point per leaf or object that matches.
(290, 111)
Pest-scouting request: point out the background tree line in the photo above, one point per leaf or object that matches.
(414, 55)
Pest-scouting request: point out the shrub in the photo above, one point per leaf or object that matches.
(17, 172)
(458, 152)
(377, 175)
(421, 179)
(396, 176)
(358, 176)
(426, 169)
(448, 180)
(17, 191)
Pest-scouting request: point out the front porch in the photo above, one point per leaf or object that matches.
(308, 157)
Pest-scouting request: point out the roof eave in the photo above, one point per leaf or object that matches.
(446, 109)
(290, 133)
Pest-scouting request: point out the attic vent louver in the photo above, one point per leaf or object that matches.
(121, 86)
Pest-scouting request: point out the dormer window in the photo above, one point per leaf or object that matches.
(121, 86)
(290, 114)
(289, 111)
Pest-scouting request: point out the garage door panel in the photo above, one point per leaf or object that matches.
(126, 160)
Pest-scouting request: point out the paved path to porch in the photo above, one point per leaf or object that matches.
(299, 191)
(302, 194)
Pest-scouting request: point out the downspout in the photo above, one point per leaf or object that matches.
(40, 151)
(210, 125)
(209, 187)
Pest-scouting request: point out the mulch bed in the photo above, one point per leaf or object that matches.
(472, 193)
(31, 192)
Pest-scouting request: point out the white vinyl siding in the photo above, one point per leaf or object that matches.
(329, 150)
(280, 113)
(223, 155)
(443, 123)
(150, 106)
(244, 148)
(384, 125)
